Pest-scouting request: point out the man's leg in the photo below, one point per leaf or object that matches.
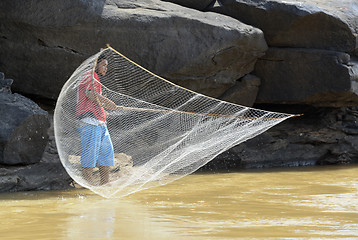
(90, 144)
(87, 174)
(106, 156)
(104, 173)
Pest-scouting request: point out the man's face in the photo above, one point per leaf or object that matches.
(102, 67)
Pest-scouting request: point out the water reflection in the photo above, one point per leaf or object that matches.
(305, 204)
(93, 220)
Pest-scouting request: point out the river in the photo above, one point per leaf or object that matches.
(297, 203)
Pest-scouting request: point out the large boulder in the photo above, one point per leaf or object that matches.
(48, 174)
(321, 24)
(43, 42)
(312, 57)
(23, 130)
(310, 76)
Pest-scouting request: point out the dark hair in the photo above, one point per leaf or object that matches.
(101, 57)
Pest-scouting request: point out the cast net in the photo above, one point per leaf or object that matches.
(155, 133)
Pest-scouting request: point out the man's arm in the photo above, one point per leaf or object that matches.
(104, 102)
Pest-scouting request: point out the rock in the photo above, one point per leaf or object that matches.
(42, 176)
(200, 5)
(244, 92)
(313, 48)
(307, 76)
(316, 138)
(23, 130)
(277, 152)
(5, 85)
(42, 44)
(320, 24)
(48, 174)
(8, 183)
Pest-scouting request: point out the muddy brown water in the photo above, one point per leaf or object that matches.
(299, 203)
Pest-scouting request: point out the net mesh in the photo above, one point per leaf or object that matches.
(120, 129)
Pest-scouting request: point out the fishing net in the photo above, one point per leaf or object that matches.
(120, 129)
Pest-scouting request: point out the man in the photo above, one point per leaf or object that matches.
(96, 144)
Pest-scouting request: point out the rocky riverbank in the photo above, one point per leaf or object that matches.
(322, 136)
(290, 56)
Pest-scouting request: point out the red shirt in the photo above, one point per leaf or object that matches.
(84, 104)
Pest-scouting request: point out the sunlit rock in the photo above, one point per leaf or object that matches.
(322, 24)
(312, 57)
(307, 76)
(41, 44)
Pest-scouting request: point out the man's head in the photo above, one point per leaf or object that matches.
(102, 64)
